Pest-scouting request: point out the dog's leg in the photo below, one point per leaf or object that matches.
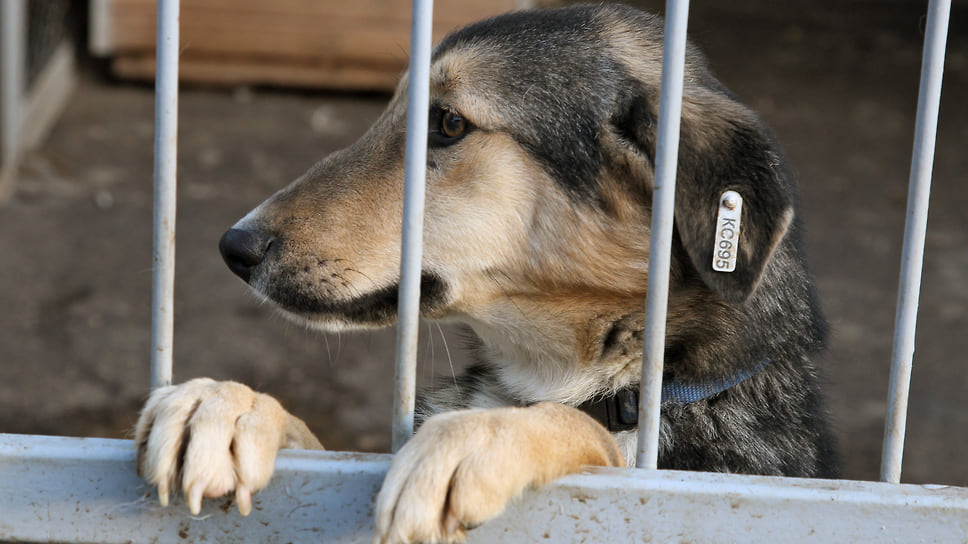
(461, 468)
(207, 438)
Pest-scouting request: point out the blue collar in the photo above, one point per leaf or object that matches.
(674, 392)
(620, 412)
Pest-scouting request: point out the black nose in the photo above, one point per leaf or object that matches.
(243, 250)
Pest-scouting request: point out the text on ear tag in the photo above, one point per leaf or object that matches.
(727, 232)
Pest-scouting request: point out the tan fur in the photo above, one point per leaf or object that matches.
(235, 434)
(462, 467)
(643, 59)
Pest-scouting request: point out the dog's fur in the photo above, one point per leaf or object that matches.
(536, 237)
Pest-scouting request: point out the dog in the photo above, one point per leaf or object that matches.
(542, 145)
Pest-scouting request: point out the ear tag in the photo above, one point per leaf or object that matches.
(727, 232)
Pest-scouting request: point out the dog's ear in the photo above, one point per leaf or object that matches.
(723, 147)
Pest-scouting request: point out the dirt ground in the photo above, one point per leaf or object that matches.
(836, 80)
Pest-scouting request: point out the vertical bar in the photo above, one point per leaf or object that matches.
(919, 190)
(100, 36)
(408, 310)
(166, 149)
(666, 159)
(13, 51)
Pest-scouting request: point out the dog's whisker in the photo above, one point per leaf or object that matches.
(362, 274)
(339, 344)
(430, 348)
(329, 354)
(450, 360)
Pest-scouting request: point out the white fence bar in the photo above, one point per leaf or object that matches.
(919, 190)
(663, 202)
(166, 152)
(86, 490)
(13, 16)
(415, 171)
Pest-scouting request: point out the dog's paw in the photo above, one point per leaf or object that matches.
(207, 438)
(462, 468)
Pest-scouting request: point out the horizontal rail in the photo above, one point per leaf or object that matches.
(86, 490)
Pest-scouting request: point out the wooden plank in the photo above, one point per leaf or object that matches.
(311, 36)
(305, 29)
(399, 9)
(232, 72)
(308, 43)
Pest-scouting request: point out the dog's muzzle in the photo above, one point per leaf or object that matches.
(243, 250)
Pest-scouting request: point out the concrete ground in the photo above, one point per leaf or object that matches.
(836, 80)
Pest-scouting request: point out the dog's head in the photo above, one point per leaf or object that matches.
(539, 183)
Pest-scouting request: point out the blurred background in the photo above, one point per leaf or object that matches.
(271, 87)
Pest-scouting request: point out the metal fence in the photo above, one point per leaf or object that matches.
(36, 76)
(85, 490)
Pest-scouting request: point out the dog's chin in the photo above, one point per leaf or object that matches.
(330, 323)
(372, 310)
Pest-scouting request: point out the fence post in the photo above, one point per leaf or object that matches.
(666, 159)
(13, 51)
(411, 250)
(916, 224)
(166, 150)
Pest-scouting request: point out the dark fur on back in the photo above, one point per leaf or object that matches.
(578, 109)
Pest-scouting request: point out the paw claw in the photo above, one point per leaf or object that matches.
(194, 498)
(163, 494)
(244, 499)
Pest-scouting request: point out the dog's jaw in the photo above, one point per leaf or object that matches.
(373, 309)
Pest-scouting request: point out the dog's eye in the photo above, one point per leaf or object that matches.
(452, 125)
(447, 127)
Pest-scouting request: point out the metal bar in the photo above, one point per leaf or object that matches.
(919, 190)
(12, 54)
(100, 35)
(86, 490)
(166, 152)
(58, 489)
(415, 170)
(666, 158)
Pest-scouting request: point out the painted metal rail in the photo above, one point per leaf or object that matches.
(13, 41)
(86, 490)
(660, 245)
(915, 230)
(411, 251)
(166, 162)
